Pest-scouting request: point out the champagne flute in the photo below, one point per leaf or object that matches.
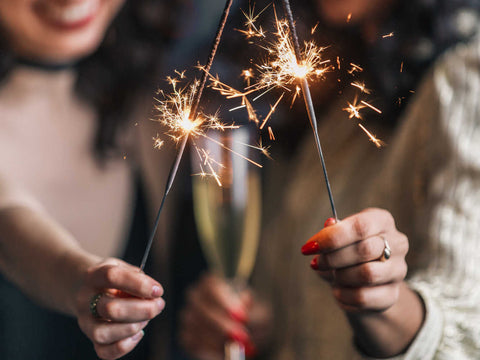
(228, 216)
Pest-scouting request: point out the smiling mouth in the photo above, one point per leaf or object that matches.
(68, 15)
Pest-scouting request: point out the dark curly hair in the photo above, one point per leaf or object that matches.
(124, 66)
(423, 30)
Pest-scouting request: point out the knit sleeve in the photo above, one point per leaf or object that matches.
(450, 285)
(432, 187)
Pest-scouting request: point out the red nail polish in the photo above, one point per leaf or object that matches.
(310, 248)
(240, 336)
(314, 263)
(238, 315)
(250, 350)
(329, 222)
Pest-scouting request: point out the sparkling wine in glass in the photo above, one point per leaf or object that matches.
(228, 216)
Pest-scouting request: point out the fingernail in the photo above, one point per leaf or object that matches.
(310, 248)
(161, 304)
(314, 263)
(143, 324)
(329, 222)
(240, 336)
(138, 336)
(238, 315)
(157, 291)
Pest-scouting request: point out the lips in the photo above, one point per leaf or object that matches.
(68, 15)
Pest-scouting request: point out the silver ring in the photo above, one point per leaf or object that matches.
(387, 252)
(93, 305)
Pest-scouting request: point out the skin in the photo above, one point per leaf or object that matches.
(385, 314)
(32, 33)
(63, 276)
(216, 314)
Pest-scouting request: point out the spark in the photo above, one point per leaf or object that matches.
(349, 17)
(388, 35)
(157, 142)
(231, 93)
(401, 67)
(378, 143)
(314, 29)
(371, 106)
(252, 30)
(270, 134)
(355, 68)
(263, 149)
(353, 109)
(281, 69)
(247, 74)
(361, 86)
(270, 113)
(175, 114)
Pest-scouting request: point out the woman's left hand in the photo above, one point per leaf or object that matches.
(114, 303)
(353, 255)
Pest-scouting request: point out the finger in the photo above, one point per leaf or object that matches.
(128, 310)
(105, 333)
(372, 273)
(193, 331)
(213, 316)
(217, 292)
(195, 345)
(118, 349)
(360, 252)
(378, 298)
(133, 282)
(198, 349)
(358, 227)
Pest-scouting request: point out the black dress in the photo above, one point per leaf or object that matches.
(30, 332)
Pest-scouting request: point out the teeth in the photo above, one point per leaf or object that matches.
(72, 13)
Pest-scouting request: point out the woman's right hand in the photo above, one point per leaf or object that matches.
(126, 300)
(215, 314)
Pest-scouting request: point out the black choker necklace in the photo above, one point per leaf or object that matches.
(47, 66)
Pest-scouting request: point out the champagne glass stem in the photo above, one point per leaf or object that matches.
(234, 351)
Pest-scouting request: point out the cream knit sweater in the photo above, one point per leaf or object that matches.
(428, 177)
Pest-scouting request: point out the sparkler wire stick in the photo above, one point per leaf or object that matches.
(308, 102)
(193, 113)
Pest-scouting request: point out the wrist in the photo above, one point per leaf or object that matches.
(390, 332)
(73, 266)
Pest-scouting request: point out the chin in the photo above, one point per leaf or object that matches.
(53, 31)
(67, 49)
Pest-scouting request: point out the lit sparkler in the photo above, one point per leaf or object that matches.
(188, 121)
(282, 67)
(301, 63)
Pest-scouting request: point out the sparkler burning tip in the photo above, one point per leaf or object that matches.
(180, 114)
(300, 60)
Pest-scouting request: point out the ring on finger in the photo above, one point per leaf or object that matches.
(387, 252)
(93, 305)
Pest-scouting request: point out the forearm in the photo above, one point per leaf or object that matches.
(389, 333)
(41, 258)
